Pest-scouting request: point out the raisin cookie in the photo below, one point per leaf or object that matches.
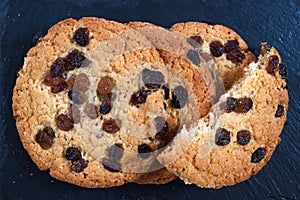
(242, 132)
(95, 102)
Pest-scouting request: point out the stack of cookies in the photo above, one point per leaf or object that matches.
(99, 104)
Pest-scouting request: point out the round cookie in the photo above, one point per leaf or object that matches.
(242, 132)
(70, 105)
(228, 49)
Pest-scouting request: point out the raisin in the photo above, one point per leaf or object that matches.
(110, 126)
(152, 79)
(53, 81)
(81, 82)
(38, 38)
(231, 45)
(166, 90)
(81, 36)
(258, 155)
(105, 86)
(244, 105)
(193, 56)
(235, 56)
(144, 150)
(111, 165)
(59, 88)
(231, 104)
(73, 153)
(45, 137)
(162, 128)
(58, 67)
(74, 114)
(179, 97)
(91, 110)
(76, 97)
(105, 108)
(64, 122)
(195, 41)
(75, 59)
(216, 48)
(243, 137)
(115, 152)
(79, 165)
(139, 97)
(279, 111)
(283, 71)
(222, 137)
(272, 64)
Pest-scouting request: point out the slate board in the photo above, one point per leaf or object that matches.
(274, 21)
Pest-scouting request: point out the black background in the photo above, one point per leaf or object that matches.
(276, 22)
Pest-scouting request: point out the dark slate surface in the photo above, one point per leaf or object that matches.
(274, 21)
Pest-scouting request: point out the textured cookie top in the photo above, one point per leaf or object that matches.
(229, 51)
(242, 132)
(95, 98)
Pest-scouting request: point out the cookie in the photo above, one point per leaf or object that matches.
(242, 132)
(229, 51)
(95, 102)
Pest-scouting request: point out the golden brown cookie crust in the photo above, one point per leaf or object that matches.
(229, 71)
(35, 107)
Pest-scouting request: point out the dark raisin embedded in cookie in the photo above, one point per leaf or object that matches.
(216, 48)
(258, 155)
(283, 71)
(38, 37)
(91, 110)
(231, 45)
(152, 79)
(193, 56)
(110, 126)
(243, 137)
(115, 152)
(222, 137)
(105, 108)
(74, 113)
(53, 81)
(272, 64)
(82, 36)
(73, 153)
(244, 105)
(58, 67)
(59, 88)
(144, 150)
(162, 128)
(64, 122)
(230, 105)
(111, 165)
(166, 90)
(76, 97)
(179, 97)
(235, 56)
(79, 165)
(81, 82)
(75, 59)
(45, 137)
(139, 97)
(105, 86)
(279, 111)
(195, 41)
